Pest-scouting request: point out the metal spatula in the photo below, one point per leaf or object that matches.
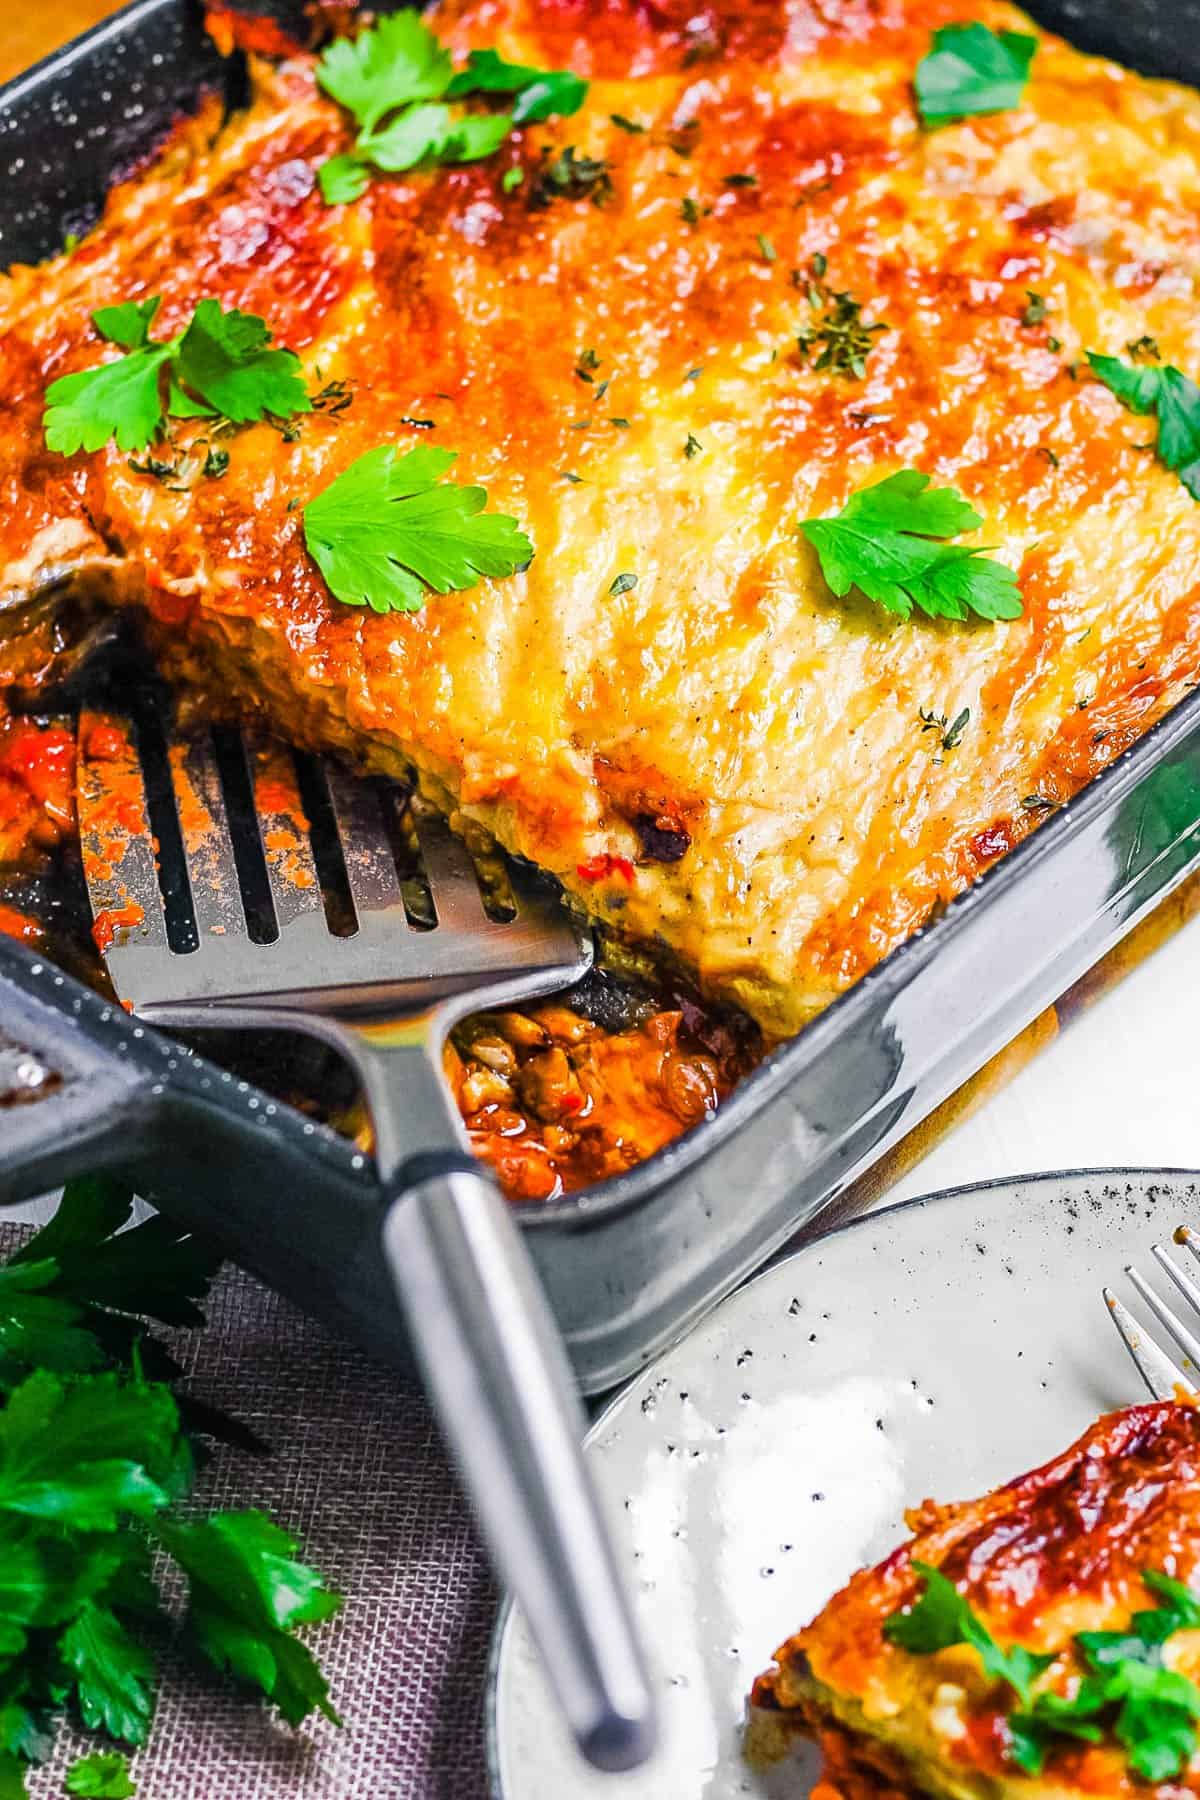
(235, 884)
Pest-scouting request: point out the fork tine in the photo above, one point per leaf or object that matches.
(1175, 1328)
(1187, 1287)
(1187, 1237)
(1155, 1368)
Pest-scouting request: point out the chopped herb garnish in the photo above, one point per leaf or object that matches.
(1172, 397)
(972, 69)
(220, 366)
(885, 543)
(766, 248)
(333, 398)
(1050, 455)
(398, 82)
(1054, 345)
(570, 176)
(216, 462)
(1035, 308)
(388, 529)
(569, 475)
(1143, 349)
(820, 265)
(940, 1617)
(689, 210)
(949, 736)
(1151, 1710)
(695, 374)
(621, 424)
(1127, 1691)
(587, 364)
(692, 447)
(845, 341)
(624, 124)
(511, 180)
(1037, 802)
(156, 468)
(741, 181)
(623, 583)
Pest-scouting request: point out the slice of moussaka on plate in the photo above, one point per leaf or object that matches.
(1044, 1640)
(743, 456)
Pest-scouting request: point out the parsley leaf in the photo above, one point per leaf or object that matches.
(111, 1674)
(398, 67)
(942, 1617)
(972, 69)
(86, 1454)
(433, 133)
(1173, 397)
(247, 1592)
(225, 358)
(388, 528)
(881, 543)
(221, 364)
(121, 400)
(343, 178)
(102, 1776)
(542, 93)
(128, 323)
(397, 61)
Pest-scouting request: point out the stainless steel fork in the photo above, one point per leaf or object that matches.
(1161, 1375)
(234, 884)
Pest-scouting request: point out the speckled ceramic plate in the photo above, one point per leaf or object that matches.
(937, 1348)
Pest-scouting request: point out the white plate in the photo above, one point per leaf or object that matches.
(935, 1349)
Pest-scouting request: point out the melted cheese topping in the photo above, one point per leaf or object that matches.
(726, 693)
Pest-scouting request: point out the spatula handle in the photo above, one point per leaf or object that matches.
(504, 1395)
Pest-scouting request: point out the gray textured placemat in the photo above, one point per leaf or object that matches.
(357, 1470)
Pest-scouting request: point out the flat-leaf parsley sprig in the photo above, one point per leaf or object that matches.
(972, 69)
(221, 366)
(388, 529)
(887, 541)
(399, 84)
(1145, 386)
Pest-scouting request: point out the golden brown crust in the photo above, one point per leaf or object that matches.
(1061, 1550)
(726, 694)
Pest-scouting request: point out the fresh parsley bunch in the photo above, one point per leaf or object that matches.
(398, 82)
(221, 366)
(1166, 392)
(1127, 1692)
(96, 1465)
(887, 542)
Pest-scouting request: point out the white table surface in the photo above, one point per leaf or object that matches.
(1120, 1087)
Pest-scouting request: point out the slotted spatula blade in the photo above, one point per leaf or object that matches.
(233, 882)
(191, 935)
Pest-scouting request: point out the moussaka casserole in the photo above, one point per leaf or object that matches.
(742, 456)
